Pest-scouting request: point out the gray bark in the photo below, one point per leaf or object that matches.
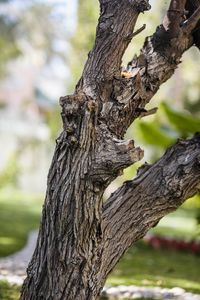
(81, 239)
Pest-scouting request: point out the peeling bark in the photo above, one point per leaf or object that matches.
(80, 239)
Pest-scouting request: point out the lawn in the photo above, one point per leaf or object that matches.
(145, 266)
(142, 265)
(19, 214)
(8, 291)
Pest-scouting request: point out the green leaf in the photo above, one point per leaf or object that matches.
(152, 134)
(183, 122)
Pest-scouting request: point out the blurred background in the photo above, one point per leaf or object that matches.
(43, 47)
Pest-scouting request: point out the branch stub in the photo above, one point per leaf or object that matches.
(140, 5)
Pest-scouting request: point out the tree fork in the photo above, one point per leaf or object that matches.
(80, 239)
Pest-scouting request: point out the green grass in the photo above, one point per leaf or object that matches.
(144, 266)
(19, 213)
(8, 291)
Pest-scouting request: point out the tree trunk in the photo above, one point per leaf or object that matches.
(80, 238)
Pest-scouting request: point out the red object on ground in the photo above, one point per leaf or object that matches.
(160, 242)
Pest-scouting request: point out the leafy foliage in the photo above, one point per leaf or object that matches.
(83, 39)
(10, 172)
(163, 129)
(8, 44)
(183, 122)
(152, 134)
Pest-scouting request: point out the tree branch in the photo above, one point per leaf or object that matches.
(190, 7)
(159, 189)
(156, 63)
(116, 23)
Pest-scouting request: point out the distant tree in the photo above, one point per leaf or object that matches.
(33, 24)
(83, 39)
(81, 238)
(8, 45)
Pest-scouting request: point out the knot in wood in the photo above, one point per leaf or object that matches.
(71, 105)
(71, 109)
(140, 5)
(70, 129)
(112, 156)
(73, 140)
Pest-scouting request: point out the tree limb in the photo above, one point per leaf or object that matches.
(116, 24)
(156, 63)
(191, 6)
(139, 204)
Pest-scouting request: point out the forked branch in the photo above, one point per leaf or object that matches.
(159, 189)
(156, 63)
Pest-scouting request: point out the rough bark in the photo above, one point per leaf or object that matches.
(157, 190)
(80, 239)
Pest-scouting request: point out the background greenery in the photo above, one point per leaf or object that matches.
(178, 116)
